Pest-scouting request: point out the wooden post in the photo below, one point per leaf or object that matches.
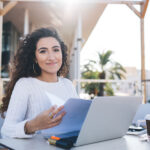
(8, 7)
(134, 10)
(141, 14)
(144, 8)
(143, 61)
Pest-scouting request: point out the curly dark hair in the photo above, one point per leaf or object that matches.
(24, 65)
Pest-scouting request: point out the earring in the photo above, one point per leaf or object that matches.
(34, 69)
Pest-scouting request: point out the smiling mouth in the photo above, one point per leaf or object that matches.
(51, 64)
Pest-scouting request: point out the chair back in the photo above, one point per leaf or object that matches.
(1, 123)
(142, 111)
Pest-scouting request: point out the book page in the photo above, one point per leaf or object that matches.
(76, 111)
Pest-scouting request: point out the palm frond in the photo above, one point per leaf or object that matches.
(104, 58)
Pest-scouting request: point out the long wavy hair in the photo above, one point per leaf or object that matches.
(23, 64)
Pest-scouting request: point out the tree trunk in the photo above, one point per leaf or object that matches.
(101, 85)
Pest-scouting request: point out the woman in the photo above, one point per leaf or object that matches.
(35, 83)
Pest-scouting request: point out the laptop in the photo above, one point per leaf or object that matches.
(108, 118)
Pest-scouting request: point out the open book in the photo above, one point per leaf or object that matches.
(76, 111)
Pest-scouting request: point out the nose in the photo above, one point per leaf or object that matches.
(51, 56)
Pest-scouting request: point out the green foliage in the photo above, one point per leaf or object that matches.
(115, 71)
(104, 58)
(90, 74)
(109, 90)
(90, 88)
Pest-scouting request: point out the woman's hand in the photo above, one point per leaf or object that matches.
(44, 120)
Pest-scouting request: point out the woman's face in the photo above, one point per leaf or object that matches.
(48, 55)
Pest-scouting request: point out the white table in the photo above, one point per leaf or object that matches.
(128, 142)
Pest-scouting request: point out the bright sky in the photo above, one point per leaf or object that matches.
(118, 29)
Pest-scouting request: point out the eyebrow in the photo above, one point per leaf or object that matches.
(47, 48)
(56, 47)
(42, 48)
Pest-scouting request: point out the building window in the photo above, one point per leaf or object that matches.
(10, 41)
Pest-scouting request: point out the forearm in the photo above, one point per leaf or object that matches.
(14, 130)
(30, 127)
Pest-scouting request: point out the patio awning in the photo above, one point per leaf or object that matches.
(59, 15)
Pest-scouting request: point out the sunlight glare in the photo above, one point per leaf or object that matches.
(71, 1)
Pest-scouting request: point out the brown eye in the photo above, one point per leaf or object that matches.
(42, 51)
(56, 50)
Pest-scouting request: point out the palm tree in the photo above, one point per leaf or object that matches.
(116, 70)
(108, 69)
(88, 73)
(104, 59)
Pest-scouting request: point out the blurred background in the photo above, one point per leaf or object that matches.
(108, 41)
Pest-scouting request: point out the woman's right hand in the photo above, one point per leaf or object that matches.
(44, 120)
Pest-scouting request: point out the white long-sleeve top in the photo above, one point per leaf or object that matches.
(30, 97)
